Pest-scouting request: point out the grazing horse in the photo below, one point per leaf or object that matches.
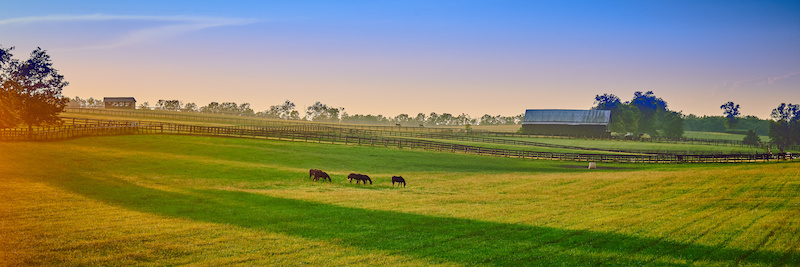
(399, 180)
(311, 173)
(319, 174)
(359, 178)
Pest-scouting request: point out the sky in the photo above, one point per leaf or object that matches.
(391, 57)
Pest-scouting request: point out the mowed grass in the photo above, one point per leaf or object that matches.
(720, 136)
(630, 145)
(170, 200)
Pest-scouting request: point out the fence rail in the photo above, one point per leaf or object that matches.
(324, 134)
(231, 119)
(334, 138)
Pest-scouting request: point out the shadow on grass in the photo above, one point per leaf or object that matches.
(436, 239)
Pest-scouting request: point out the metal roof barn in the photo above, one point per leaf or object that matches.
(567, 122)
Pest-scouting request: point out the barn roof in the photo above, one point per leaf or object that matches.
(119, 99)
(567, 117)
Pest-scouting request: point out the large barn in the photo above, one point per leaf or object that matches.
(567, 122)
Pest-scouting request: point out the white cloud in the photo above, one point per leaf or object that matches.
(173, 25)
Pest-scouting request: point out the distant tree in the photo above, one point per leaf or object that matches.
(144, 106)
(784, 131)
(189, 107)
(672, 125)
(625, 119)
(421, 118)
(751, 138)
(731, 112)
(607, 102)
(169, 105)
(401, 119)
(30, 90)
(321, 112)
(284, 111)
(487, 119)
(649, 106)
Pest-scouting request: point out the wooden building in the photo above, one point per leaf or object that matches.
(120, 102)
(590, 123)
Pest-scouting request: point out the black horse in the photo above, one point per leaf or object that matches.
(320, 174)
(359, 178)
(399, 180)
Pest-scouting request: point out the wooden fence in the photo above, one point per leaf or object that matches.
(237, 120)
(323, 134)
(289, 134)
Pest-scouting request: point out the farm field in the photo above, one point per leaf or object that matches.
(169, 199)
(640, 145)
(720, 136)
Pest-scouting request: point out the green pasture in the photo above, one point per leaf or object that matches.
(629, 145)
(185, 200)
(720, 136)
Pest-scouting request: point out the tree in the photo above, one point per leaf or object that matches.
(607, 102)
(785, 129)
(672, 125)
(30, 90)
(284, 111)
(170, 105)
(189, 107)
(321, 112)
(649, 106)
(751, 138)
(625, 119)
(731, 112)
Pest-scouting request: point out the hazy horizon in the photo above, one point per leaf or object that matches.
(389, 58)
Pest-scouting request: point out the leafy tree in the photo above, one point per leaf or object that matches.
(625, 119)
(402, 118)
(421, 118)
(785, 129)
(607, 102)
(672, 125)
(731, 112)
(751, 138)
(284, 111)
(649, 106)
(170, 105)
(321, 112)
(144, 105)
(189, 107)
(30, 90)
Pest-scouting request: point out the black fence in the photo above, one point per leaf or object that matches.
(75, 127)
(289, 134)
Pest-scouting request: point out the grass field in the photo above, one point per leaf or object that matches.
(720, 136)
(169, 200)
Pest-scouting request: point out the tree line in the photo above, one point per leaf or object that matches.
(319, 112)
(645, 114)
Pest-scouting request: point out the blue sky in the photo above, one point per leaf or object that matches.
(392, 57)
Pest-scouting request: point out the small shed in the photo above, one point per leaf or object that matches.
(567, 122)
(120, 102)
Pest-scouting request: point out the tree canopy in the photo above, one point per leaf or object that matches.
(644, 114)
(731, 112)
(784, 131)
(30, 90)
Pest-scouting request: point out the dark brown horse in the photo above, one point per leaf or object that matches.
(399, 180)
(311, 173)
(317, 174)
(359, 178)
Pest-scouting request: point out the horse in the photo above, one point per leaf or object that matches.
(399, 180)
(358, 178)
(311, 173)
(319, 174)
